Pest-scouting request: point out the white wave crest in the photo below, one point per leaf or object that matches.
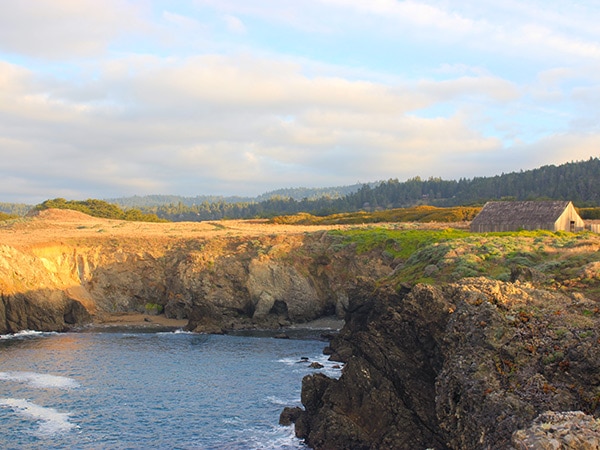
(178, 331)
(26, 334)
(278, 438)
(51, 421)
(294, 361)
(282, 402)
(332, 369)
(40, 380)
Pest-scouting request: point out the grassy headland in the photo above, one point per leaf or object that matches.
(553, 260)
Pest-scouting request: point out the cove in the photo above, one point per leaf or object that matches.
(133, 389)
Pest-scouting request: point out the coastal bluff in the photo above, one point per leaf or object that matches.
(61, 269)
(477, 364)
(461, 361)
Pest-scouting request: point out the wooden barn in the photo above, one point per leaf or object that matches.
(512, 216)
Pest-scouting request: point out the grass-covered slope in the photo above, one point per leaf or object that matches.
(554, 260)
(414, 214)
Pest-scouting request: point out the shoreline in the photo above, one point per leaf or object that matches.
(147, 321)
(137, 320)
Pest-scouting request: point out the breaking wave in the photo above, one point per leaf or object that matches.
(51, 421)
(39, 380)
(26, 334)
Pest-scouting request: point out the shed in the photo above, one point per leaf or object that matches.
(531, 215)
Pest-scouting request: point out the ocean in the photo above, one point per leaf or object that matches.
(131, 389)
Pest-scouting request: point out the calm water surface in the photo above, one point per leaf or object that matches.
(134, 390)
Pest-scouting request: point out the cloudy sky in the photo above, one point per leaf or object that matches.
(110, 98)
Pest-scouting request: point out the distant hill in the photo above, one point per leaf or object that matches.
(137, 201)
(298, 194)
(575, 181)
(15, 209)
(302, 193)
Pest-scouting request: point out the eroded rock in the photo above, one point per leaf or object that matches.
(571, 430)
(216, 284)
(461, 366)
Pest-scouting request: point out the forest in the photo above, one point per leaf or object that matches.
(574, 181)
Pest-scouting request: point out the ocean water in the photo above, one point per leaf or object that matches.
(130, 389)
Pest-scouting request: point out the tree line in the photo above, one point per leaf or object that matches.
(574, 181)
(100, 208)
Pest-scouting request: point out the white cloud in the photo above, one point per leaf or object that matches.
(469, 86)
(207, 96)
(164, 125)
(234, 24)
(411, 13)
(181, 21)
(64, 28)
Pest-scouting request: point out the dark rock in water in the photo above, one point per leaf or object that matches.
(328, 351)
(289, 415)
(281, 336)
(42, 310)
(328, 336)
(316, 365)
(421, 371)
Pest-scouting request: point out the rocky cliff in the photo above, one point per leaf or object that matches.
(460, 366)
(458, 363)
(217, 282)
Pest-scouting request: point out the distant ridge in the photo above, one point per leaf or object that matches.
(298, 194)
(575, 181)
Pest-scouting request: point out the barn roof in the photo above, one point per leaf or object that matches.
(523, 213)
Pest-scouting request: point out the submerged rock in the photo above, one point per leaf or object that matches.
(289, 415)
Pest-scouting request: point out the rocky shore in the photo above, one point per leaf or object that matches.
(461, 366)
(451, 341)
(63, 269)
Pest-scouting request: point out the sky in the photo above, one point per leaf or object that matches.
(112, 98)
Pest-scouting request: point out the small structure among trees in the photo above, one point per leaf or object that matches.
(529, 215)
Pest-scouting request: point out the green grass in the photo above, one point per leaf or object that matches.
(557, 258)
(413, 214)
(398, 243)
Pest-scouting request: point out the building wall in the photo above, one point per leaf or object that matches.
(595, 227)
(499, 227)
(563, 223)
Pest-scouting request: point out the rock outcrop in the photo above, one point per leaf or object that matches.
(571, 430)
(216, 283)
(463, 366)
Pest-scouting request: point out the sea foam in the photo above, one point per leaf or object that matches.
(40, 380)
(26, 334)
(332, 369)
(51, 421)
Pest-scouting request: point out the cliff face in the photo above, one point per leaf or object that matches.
(462, 366)
(216, 283)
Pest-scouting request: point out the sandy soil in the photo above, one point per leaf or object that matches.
(53, 227)
(138, 320)
(56, 227)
